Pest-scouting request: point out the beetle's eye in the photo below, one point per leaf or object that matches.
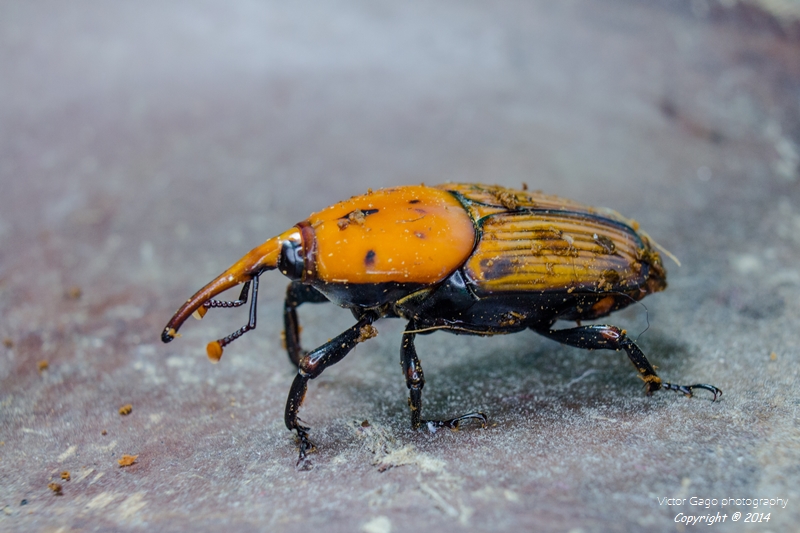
(291, 262)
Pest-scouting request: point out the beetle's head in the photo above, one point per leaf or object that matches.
(283, 252)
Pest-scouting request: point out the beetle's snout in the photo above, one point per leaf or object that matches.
(262, 258)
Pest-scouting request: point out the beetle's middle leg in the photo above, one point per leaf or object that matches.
(601, 337)
(297, 293)
(313, 363)
(415, 381)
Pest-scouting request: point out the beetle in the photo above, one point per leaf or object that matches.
(468, 259)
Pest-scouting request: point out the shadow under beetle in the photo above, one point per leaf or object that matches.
(470, 259)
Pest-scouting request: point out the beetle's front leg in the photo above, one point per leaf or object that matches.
(297, 293)
(312, 364)
(415, 381)
(601, 337)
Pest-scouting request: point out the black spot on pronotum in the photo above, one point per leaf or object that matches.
(369, 259)
(414, 201)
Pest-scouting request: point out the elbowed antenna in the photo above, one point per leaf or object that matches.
(259, 259)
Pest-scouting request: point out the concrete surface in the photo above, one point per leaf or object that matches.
(144, 146)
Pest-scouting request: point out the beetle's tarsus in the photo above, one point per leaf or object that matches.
(454, 423)
(305, 445)
(687, 389)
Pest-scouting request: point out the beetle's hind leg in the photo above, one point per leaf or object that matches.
(415, 381)
(312, 364)
(297, 293)
(601, 337)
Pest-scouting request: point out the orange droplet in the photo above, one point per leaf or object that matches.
(214, 351)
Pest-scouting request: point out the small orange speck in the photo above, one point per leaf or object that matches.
(127, 460)
(55, 487)
(74, 292)
(773, 356)
(65, 475)
(42, 365)
(126, 409)
(8, 343)
(104, 432)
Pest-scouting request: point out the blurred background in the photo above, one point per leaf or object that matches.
(146, 146)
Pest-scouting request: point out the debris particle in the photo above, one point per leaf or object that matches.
(104, 432)
(607, 246)
(507, 199)
(367, 332)
(365, 424)
(8, 343)
(126, 409)
(357, 216)
(65, 475)
(55, 487)
(42, 365)
(127, 460)
(73, 293)
(773, 356)
(379, 524)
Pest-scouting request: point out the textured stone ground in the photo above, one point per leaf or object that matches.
(146, 146)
